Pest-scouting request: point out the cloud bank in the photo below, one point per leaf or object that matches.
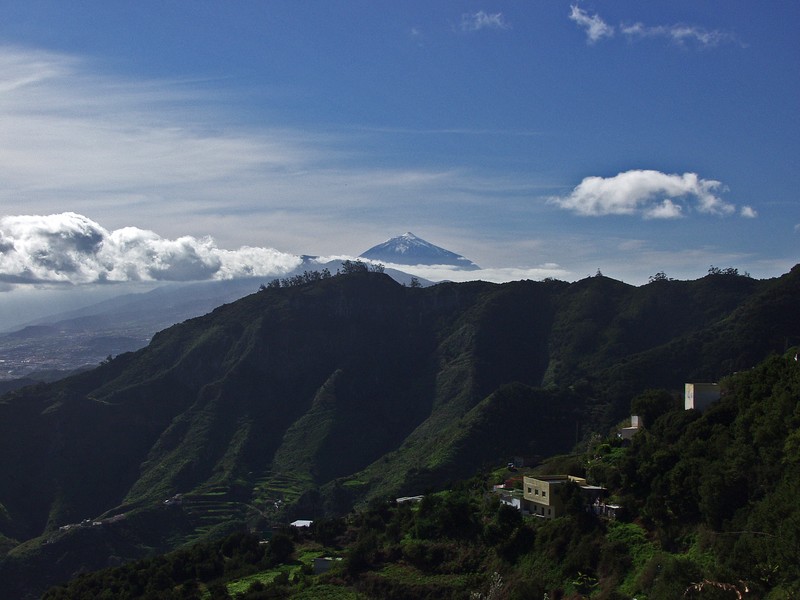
(495, 275)
(70, 248)
(647, 193)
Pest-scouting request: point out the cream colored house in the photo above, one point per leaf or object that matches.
(543, 494)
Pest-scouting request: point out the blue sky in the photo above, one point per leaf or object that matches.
(187, 140)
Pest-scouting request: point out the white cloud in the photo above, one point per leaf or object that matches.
(666, 210)
(495, 275)
(167, 155)
(651, 194)
(596, 29)
(65, 130)
(749, 212)
(483, 20)
(680, 34)
(70, 248)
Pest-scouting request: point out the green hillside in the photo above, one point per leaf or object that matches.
(302, 401)
(710, 512)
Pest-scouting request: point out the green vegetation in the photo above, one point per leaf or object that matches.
(710, 499)
(308, 400)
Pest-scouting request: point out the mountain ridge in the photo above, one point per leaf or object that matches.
(81, 338)
(305, 400)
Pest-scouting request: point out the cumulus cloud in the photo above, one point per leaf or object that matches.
(483, 20)
(595, 28)
(651, 194)
(71, 248)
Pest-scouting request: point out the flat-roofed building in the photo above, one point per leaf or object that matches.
(627, 433)
(544, 495)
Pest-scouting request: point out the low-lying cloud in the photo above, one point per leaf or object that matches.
(438, 273)
(649, 194)
(71, 248)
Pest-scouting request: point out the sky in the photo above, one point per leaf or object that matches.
(154, 141)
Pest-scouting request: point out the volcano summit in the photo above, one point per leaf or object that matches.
(408, 249)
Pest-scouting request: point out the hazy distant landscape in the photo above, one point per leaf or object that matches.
(59, 343)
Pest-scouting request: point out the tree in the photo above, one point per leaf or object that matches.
(660, 276)
(651, 404)
(280, 549)
(350, 267)
(732, 271)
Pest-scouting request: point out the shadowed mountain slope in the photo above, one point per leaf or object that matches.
(304, 400)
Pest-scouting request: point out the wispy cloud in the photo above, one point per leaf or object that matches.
(650, 194)
(454, 131)
(71, 248)
(595, 28)
(483, 20)
(679, 34)
(67, 130)
(166, 155)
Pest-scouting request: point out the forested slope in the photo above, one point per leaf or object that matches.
(710, 512)
(308, 399)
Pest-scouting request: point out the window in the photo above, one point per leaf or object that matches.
(535, 492)
(544, 493)
(529, 490)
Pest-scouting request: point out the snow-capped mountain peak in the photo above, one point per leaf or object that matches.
(408, 249)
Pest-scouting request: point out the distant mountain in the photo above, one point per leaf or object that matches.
(408, 249)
